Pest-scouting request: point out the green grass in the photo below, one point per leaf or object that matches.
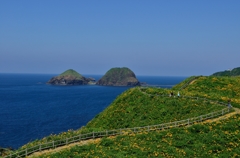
(219, 139)
(117, 74)
(134, 109)
(141, 107)
(72, 73)
(216, 88)
(233, 72)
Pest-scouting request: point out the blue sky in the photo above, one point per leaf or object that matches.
(156, 37)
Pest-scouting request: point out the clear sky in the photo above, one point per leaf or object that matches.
(151, 37)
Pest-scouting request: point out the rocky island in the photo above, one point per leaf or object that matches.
(70, 77)
(119, 77)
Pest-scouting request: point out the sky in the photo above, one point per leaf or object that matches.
(151, 37)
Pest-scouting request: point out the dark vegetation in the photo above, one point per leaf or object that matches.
(119, 77)
(233, 72)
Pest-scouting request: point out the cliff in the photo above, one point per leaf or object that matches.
(69, 77)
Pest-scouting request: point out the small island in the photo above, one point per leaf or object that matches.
(119, 77)
(70, 77)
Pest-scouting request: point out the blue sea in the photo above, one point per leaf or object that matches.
(30, 109)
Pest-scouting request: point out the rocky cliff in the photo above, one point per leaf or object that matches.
(119, 77)
(69, 77)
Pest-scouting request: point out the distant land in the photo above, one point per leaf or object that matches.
(119, 77)
(70, 77)
(114, 77)
(233, 72)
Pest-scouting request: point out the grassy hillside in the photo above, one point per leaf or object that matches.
(217, 88)
(135, 108)
(233, 72)
(72, 73)
(148, 106)
(119, 77)
(219, 139)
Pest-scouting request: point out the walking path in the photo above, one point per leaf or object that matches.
(84, 142)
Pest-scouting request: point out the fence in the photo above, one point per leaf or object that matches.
(186, 84)
(93, 135)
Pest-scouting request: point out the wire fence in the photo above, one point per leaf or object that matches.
(123, 131)
(186, 84)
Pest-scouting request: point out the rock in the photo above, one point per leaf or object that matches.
(69, 77)
(119, 77)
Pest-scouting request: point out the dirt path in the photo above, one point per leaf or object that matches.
(237, 111)
(36, 154)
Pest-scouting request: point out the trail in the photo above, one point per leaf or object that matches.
(84, 142)
(90, 141)
(236, 111)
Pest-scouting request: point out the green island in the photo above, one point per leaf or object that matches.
(146, 122)
(119, 77)
(70, 77)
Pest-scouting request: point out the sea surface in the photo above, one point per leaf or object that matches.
(30, 109)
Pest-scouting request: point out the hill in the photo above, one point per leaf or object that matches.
(216, 88)
(138, 107)
(119, 77)
(217, 139)
(233, 72)
(69, 77)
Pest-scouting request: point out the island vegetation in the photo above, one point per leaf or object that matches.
(119, 77)
(70, 77)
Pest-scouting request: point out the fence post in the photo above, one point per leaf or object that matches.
(66, 141)
(26, 152)
(148, 128)
(93, 135)
(40, 147)
(222, 111)
(188, 121)
(134, 129)
(106, 133)
(120, 131)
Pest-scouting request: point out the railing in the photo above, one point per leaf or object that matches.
(93, 135)
(186, 84)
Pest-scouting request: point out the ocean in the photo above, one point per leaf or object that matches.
(30, 109)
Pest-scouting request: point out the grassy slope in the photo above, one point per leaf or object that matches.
(219, 139)
(134, 108)
(217, 88)
(233, 72)
(117, 74)
(72, 73)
